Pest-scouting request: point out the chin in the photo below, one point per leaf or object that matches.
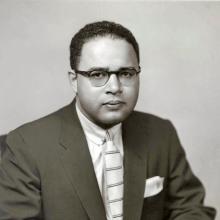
(108, 122)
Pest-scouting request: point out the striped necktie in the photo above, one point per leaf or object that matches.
(113, 179)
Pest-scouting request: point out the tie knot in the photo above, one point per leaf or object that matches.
(110, 147)
(109, 136)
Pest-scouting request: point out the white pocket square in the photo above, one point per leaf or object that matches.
(153, 186)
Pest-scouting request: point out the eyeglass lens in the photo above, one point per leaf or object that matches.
(100, 77)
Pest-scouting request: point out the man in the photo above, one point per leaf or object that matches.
(97, 158)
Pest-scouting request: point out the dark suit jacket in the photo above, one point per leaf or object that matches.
(47, 172)
(2, 140)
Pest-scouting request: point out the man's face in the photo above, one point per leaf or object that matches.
(109, 104)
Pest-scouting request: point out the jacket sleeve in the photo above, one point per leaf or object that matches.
(19, 181)
(185, 192)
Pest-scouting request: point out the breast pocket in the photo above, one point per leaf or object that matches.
(153, 202)
(153, 207)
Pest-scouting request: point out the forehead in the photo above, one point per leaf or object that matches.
(108, 52)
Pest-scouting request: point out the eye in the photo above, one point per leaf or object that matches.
(127, 73)
(97, 74)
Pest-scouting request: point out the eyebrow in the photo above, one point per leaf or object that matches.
(98, 68)
(107, 69)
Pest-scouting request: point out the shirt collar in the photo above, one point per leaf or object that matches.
(95, 133)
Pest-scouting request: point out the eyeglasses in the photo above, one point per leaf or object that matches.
(126, 76)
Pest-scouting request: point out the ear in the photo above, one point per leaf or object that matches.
(73, 80)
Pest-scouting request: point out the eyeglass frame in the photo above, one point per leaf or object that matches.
(88, 73)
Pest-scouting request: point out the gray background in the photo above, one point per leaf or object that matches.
(180, 60)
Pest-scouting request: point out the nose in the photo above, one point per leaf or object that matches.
(113, 85)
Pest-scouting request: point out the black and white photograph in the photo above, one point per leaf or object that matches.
(109, 110)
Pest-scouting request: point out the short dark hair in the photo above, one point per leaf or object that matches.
(101, 28)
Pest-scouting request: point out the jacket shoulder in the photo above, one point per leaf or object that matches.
(44, 123)
(149, 119)
(38, 138)
(40, 129)
(156, 127)
(48, 121)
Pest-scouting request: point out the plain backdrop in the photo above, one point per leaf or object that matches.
(180, 61)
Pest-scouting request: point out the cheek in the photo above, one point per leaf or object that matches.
(84, 91)
(87, 100)
(131, 94)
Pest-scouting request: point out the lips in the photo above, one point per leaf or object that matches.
(114, 105)
(114, 102)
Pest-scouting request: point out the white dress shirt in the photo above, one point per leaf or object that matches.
(96, 139)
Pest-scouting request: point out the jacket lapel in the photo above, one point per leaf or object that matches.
(135, 166)
(78, 164)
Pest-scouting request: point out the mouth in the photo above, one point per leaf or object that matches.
(114, 104)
